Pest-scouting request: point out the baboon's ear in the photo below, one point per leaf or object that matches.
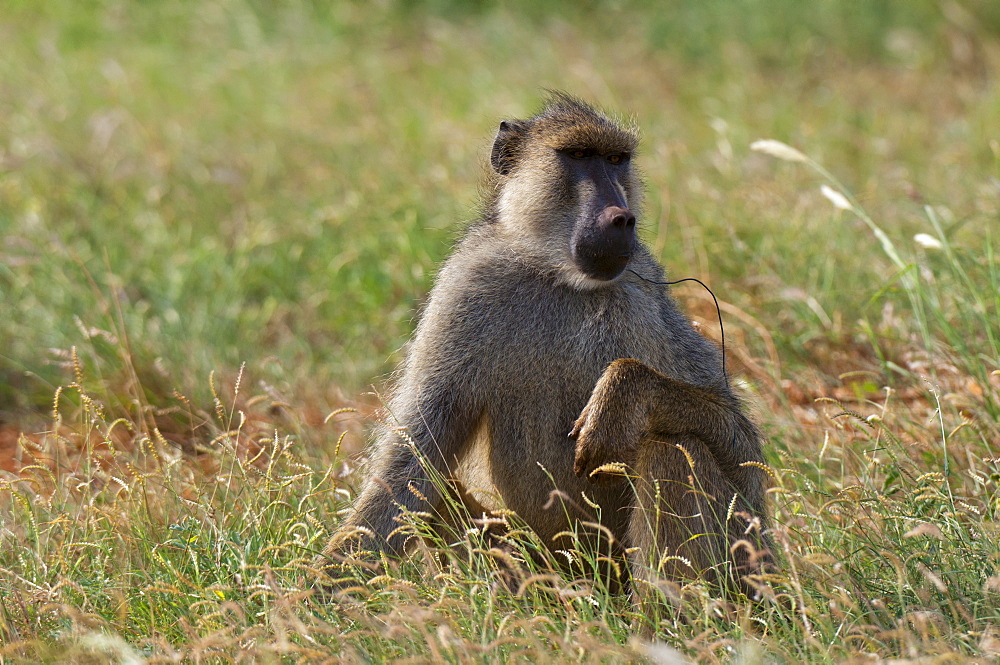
(506, 144)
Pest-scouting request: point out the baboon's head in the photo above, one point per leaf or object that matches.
(565, 183)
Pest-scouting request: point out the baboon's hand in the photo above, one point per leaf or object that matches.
(591, 454)
(607, 434)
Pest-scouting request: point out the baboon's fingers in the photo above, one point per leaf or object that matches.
(592, 468)
(580, 422)
(581, 465)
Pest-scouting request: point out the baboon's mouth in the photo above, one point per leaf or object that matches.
(604, 267)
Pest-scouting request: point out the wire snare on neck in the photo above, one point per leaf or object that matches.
(718, 311)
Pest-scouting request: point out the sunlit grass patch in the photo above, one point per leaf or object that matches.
(211, 552)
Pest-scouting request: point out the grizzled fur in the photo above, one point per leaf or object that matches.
(507, 355)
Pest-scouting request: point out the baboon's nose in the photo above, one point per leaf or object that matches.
(620, 218)
(617, 229)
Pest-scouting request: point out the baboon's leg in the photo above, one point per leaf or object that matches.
(633, 401)
(633, 406)
(677, 529)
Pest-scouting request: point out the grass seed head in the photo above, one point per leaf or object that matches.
(839, 201)
(779, 150)
(927, 241)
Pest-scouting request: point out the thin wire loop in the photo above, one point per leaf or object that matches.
(718, 311)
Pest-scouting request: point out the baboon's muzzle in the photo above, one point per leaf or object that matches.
(603, 250)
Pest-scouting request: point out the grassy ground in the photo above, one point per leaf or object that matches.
(187, 187)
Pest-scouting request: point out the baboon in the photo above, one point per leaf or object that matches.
(549, 351)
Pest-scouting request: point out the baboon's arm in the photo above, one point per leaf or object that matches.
(402, 477)
(633, 403)
(433, 414)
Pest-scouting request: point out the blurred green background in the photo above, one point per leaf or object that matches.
(185, 186)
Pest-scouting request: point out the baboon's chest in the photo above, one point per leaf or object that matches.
(597, 333)
(548, 365)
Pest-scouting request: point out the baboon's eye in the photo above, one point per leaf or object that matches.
(618, 158)
(579, 153)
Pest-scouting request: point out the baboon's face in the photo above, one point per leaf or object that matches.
(568, 185)
(603, 238)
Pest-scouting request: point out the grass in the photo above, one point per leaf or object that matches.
(217, 221)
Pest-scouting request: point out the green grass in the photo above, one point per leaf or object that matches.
(187, 187)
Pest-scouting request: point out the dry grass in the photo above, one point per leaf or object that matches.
(184, 189)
